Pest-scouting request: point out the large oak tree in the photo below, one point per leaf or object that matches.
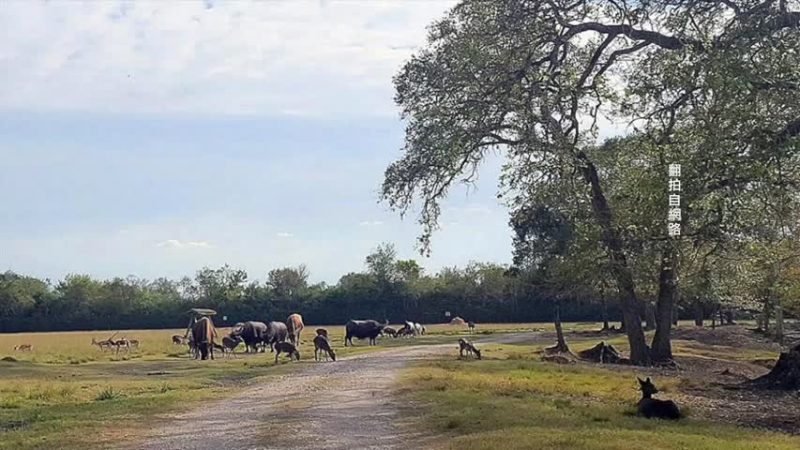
(532, 78)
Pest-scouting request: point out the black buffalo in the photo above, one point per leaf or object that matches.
(363, 329)
(276, 332)
(252, 333)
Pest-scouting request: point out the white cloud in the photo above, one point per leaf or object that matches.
(284, 234)
(175, 243)
(298, 58)
(370, 223)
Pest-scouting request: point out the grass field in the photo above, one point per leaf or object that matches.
(68, 393)
(513, 398)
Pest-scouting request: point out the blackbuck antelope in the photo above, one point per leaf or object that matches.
(469, 348)
(653, 408)
(322, 347)
(105, 344)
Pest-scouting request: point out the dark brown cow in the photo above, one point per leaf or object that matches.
(203, 334)
(294, 325)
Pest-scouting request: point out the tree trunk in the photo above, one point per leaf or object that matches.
(765, 314)
(714, 319)
(729, 318)
(698, 313)
(640, 353)
(604, 303)
(785, 374)
(675, 314)
(649, 317)
(779, 321)
(667, 291)
(561, 343)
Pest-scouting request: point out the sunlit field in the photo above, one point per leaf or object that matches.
(69, 391)
(512, 396)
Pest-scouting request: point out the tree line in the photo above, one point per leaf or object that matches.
(388, 288)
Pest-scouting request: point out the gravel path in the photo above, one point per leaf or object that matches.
(347, 404)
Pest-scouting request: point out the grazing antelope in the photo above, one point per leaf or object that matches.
(653, 408)
(177, 339)
(288, 348)
(23, 348)
(471, 326)
(134, 343)
(469, 348)
(123, 343)
(322, 332)
(103, 345)
(323, 347)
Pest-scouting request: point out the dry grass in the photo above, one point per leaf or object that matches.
(512, 397)
(71, 392)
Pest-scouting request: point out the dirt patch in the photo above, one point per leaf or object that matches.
(345, 404)
(729, 335)
(712, 383)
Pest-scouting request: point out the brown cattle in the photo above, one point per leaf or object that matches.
(203, 334)
(294, 324)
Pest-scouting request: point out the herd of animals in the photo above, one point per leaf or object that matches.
(284, 338)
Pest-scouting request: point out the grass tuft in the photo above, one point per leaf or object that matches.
(107, 394)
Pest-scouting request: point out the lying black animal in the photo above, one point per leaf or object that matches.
(363, 329)
(288, 348)
(653, 408)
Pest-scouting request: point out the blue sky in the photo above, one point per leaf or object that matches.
(155, 138)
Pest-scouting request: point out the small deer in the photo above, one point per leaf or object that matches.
(322, 347)
(469, 348)
(23, 348)
(288, 348)
(229, 344)
(653, 408)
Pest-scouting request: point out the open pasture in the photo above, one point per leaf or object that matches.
(513, 396)
(69, 391)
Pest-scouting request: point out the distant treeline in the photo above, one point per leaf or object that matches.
(388, 289)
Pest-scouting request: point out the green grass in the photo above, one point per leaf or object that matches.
(67, 393)
(520, 402)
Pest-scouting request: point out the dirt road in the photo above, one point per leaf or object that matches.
(348, 404)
